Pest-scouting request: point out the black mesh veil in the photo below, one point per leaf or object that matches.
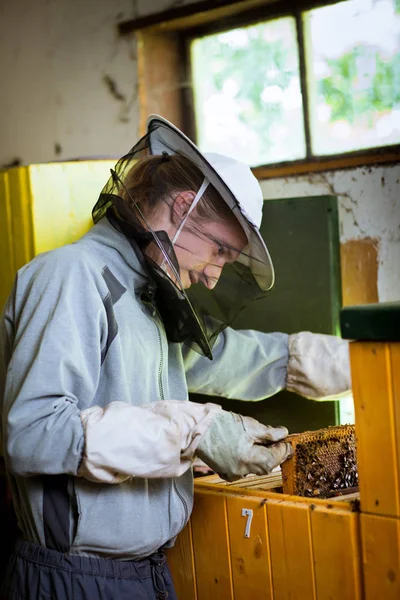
(201, 270)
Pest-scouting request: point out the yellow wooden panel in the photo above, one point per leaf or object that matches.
(6, 245)
(211, 548)
(381, 557)
(63, 195)
(337, 554)
(291, 551)
(181, 563)
(394, 349)
(43, 207)
(377, 451)
(251, 568)
(21, 215)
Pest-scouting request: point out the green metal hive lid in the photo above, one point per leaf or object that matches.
(373, 322)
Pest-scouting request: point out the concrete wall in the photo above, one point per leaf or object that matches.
(69, 89)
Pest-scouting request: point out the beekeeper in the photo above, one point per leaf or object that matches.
(102, 340)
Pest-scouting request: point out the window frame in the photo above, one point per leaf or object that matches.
(176, 28)
(311, 162)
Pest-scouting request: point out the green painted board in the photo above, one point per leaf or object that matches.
(372, 322)
(302, 235)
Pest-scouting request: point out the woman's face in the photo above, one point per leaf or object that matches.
(204, 247)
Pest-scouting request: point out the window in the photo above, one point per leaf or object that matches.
(319, 83)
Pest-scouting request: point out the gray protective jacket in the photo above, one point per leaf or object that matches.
(98, 433)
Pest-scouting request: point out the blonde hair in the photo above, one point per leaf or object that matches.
(154, 178)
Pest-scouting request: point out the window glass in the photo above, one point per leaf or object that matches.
(248, 102)
(353, 70)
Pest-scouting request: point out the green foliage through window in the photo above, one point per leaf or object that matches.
(248, 99)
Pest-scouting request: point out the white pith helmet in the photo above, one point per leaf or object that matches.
(235, 183)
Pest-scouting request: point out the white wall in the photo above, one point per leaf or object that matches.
(369, 206)
(56, 56)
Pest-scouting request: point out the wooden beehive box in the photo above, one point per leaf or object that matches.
(245, 542)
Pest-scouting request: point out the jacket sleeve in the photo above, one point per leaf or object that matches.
(55, 324)
(247, 365)
(53, 333)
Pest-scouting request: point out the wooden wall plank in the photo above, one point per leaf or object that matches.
(181, 563)
(159, 72)
(381, 557)
(394, 349)
(251, 568)
(337, 554)
(211, 548)
(291, 551)
(377, 449)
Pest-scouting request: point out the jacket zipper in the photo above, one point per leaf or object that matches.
(182, 499)
(148, 301)
(161, 391)
(160, 387)
(160, 366)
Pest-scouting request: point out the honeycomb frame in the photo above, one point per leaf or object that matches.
(324, 463)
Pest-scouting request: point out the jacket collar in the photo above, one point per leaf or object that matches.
(108, 235)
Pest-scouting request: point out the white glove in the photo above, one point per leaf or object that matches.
(156, 440)
(319, 366)
(232, 446)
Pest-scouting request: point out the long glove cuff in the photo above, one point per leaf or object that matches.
(318, 366)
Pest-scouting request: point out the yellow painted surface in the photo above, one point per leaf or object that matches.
(181, 563)
(21, 215)
(381, 557)
(63, 196)
(395, 374)
(376, 427)
(337, 554)
(43, 207)
(211, 548)
(251, 567)
(291, 551)
(6, 245)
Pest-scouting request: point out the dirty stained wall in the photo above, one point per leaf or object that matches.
(68, 80)
(69, 89)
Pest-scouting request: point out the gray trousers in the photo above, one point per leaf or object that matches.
(37, 573)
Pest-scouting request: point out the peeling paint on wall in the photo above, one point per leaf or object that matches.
(15, 162)
(359, 266)
(112, 87)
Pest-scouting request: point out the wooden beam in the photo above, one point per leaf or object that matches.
(191, 15)
(159, 75)
(391, 156)
(214, 13)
